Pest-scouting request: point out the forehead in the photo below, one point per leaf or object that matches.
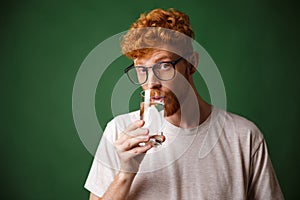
(154, 57)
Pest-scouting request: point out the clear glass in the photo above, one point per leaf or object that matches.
(152, 112)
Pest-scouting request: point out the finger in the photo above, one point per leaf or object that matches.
(137, 132)
(139, 150)
(134, 125)
(133, 142)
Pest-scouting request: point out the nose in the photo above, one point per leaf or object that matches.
(153, 81)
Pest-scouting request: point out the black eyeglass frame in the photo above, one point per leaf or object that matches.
(173, 63)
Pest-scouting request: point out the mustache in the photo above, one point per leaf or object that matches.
(166, 97)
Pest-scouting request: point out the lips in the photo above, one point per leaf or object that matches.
(158, 98)
(157, 95)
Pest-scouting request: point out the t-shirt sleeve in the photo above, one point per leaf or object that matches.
(105, 164)
(263, 184)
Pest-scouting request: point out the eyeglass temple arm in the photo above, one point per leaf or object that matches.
(128, 68)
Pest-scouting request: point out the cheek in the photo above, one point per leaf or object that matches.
(177, 84)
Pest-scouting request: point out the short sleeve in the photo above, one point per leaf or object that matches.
(105, 163)
(263, 184)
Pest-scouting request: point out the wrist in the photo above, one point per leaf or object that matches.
(126, 176)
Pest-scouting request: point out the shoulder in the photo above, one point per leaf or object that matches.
(116, 126)
(123, 120)
(241, 124)
(242, 130)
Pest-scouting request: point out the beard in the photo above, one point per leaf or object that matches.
(172, 104)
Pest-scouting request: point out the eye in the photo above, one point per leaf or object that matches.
(165, 66)
(141, 70)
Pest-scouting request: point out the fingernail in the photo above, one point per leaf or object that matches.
(146, 131)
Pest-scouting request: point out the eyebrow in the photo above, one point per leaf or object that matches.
(158, 60)
(162, 58)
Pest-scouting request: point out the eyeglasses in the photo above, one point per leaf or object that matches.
(164, 71)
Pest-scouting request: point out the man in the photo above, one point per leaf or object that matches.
(207, 153)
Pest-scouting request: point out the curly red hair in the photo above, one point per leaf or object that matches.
(158, 28)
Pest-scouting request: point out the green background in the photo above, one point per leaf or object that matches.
(255, 45)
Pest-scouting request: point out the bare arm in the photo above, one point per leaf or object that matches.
(94, 197)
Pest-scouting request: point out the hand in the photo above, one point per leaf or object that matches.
(128, 149)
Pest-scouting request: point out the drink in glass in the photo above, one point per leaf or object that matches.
(152, 112)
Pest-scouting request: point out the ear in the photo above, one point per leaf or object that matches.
(194, 60)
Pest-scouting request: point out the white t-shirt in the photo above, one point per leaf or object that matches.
(224, 158)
